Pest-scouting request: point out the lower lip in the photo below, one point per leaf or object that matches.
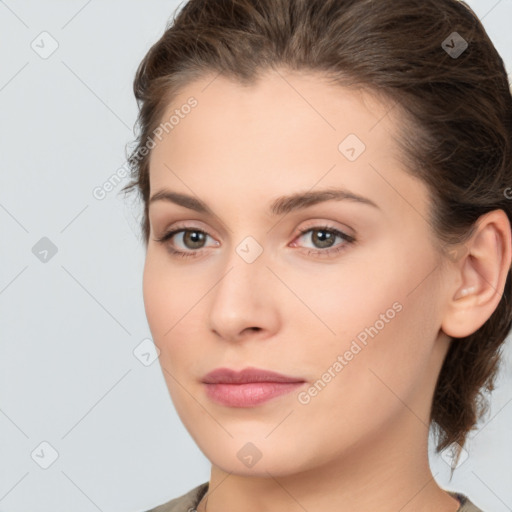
(249, 394)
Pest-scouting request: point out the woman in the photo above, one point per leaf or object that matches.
(328, 238)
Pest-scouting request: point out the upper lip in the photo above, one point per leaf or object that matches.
(228, 376)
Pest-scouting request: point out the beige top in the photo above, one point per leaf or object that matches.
(189, 501)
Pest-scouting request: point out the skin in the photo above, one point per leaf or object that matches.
(361, 443)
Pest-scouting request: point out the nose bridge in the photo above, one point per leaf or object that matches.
(240, 296)
(245, 267)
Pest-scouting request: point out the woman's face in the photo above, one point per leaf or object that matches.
(356, 317)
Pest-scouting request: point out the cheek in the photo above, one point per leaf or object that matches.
(170, 302)
(155, 300)
(346, 303)
(164, 298)
(395, 370)
(375, 319)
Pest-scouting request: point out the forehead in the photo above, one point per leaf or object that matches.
(287, 129)
(278, 99)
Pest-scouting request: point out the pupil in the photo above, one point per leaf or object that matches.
(195, 236)
(326, 235)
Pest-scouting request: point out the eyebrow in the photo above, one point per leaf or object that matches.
(280, 206)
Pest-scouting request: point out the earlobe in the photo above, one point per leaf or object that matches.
(480, 276)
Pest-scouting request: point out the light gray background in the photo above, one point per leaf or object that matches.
(69, 326)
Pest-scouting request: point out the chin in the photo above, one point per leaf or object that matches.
(252, 455)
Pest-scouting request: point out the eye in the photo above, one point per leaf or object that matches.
(324, 237)
(193, 240)
(193, 236)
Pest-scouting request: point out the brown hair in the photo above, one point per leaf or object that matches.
(456, 127)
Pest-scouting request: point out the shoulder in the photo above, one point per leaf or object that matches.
(465, 503)
(186, 502)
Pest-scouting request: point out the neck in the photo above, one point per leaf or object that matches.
(390, 472)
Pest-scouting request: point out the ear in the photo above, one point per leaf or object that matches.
(480, 275)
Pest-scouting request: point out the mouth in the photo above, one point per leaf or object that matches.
(249, 387)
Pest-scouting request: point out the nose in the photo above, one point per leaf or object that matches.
(243, 302)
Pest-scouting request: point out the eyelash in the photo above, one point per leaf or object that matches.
(317, 252)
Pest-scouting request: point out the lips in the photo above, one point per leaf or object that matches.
(249, 387)
(247, 375)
